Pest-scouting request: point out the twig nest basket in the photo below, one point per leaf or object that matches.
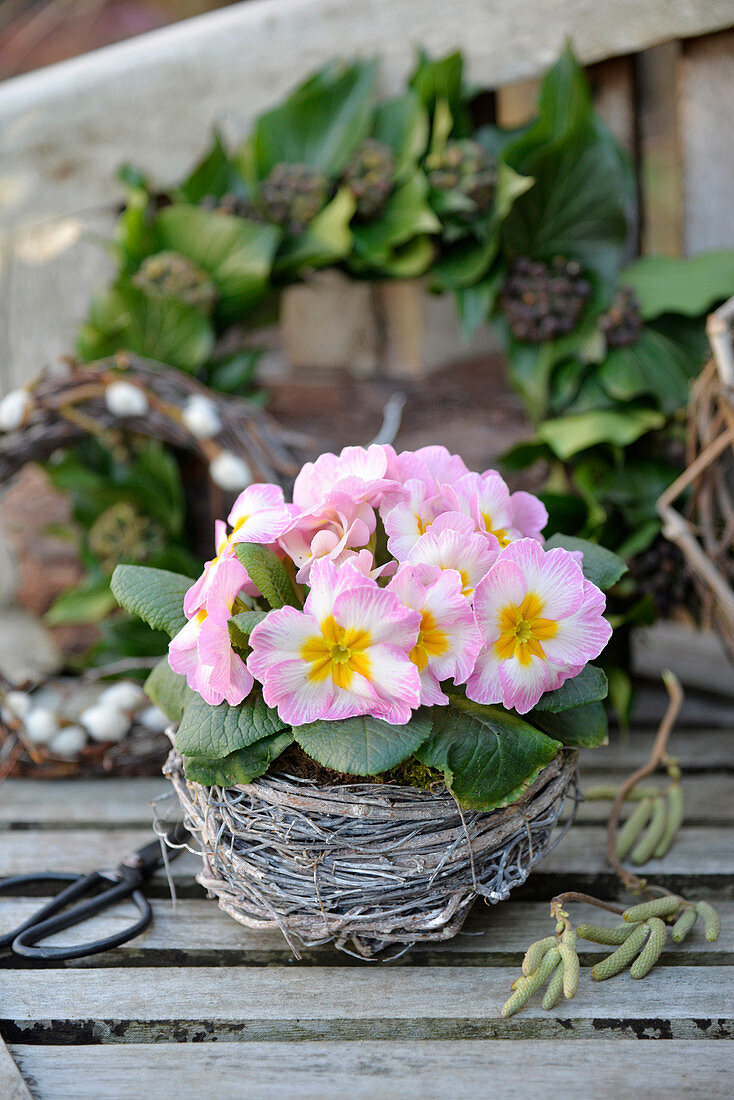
(365, 865)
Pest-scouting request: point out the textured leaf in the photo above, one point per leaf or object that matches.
(242, 625)
(488, 756)
(163, 329)
(321, 123)
(154, 595)
(584, 727)
(167, 690)
(267, 573)
(600, 566)
(365, 745)
(240, 766)
(237, 253)
(666, 284)
(590, 686)
(217, 731)
(568, 435)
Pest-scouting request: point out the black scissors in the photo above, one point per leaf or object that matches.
(124, 882)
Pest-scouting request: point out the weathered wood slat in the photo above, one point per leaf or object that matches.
(706, 136)
(198, 933)
(125, 1005)
(697, 657)
(12, 1085)
(696, 852)
(378, 1071)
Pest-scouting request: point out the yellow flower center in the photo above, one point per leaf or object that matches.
(423, 524)
(431, 642)
(338, 652)
(522, 629)
(499, 532)
(200, 616)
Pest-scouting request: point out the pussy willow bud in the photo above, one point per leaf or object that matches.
(567, 949)
(659, 907)
(622, 957)
(632, 827)
(683, 925)
(535, 953)
(711, 921)
(648, 842)
(555, 987)
(674, 820)
(653, 949)
(595, 933)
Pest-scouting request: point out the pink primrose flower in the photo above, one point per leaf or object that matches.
(449, 639)
(541, 621)
(345, 654)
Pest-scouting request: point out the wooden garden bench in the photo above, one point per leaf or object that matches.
(199, 1005)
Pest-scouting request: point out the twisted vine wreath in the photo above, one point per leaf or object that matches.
(232, 441)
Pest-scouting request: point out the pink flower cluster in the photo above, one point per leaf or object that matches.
(464, 594)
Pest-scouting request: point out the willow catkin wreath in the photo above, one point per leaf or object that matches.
(65, 405)
(363, 865)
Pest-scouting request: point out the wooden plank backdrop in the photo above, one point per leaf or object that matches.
(65, 130)
(200, 1003)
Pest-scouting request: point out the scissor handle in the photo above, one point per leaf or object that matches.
(50, 920)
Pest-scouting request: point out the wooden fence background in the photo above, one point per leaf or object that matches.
(663, 73)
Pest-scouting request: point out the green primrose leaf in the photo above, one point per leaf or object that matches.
(242, 625)
(583, 727)
(488, 756)
(667, 284)
(268, 574)
(240, 766)
(590, 686)
(154, 595)
(364, 745)
(218, 731)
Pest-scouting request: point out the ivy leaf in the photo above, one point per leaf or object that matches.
(666, 284)
(568, 435)
(600, 566)
(321, 123)
(89, 602)
(242, 625)
(364, 745)
(661, 363)
(163, 329)
(326, 239)
(215, 175)
(240, 766)
(402, 123)
(488, 756)
(584, 727)
(268, 574)
(237, 253)
(590, 686)
(154, 595)
(218, 731)
(167, 690)
(405, 215)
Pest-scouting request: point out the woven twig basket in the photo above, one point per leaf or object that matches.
(704, 527)
(365, 865)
